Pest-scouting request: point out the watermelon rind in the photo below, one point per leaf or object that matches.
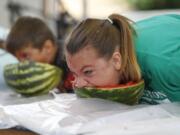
(124, 94)
(32, 78)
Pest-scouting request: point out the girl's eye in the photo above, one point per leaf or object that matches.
(88, 72)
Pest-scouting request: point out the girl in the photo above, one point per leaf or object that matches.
(115, 51)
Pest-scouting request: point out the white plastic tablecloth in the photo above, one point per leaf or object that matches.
(66, 114)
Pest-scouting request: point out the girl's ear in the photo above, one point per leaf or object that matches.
(116, 58)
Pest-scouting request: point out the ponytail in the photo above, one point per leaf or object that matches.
(129, 69)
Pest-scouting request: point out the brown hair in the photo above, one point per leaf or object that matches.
(105, 36)
(28, 31)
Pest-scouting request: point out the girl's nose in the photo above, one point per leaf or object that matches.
(80, 82)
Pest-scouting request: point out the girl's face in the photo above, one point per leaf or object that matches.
(91, 70)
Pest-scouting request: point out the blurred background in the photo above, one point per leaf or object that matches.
(62, 15)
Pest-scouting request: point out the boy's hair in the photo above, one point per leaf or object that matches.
(28, 31)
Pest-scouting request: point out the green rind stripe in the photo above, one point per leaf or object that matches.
(14, 77)
(29, 84)
(42, 87)
(26, 71)
(44, 91)
(31, 79)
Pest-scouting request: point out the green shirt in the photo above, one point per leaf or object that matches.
(158, 52)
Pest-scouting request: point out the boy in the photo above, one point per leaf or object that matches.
(30, 38)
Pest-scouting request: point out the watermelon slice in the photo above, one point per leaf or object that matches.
(129, 93)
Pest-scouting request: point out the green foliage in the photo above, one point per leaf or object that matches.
(154, 4)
